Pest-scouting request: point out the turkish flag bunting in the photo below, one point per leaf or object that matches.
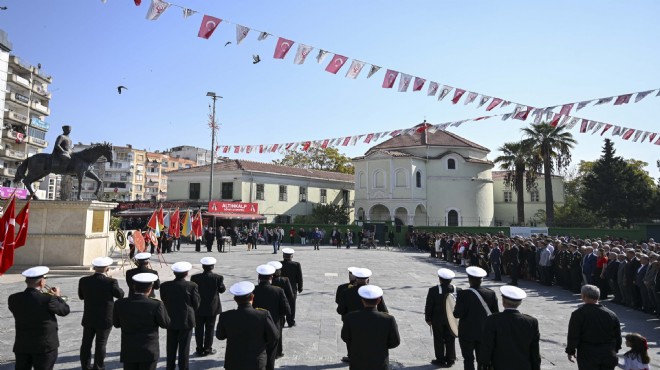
(325, 143)
(22, 221)
(336, 63)
(346, 141)
(494, 103)
(607, 127)
(522, 115)
(306, 145)
(137, 2)
(555, 120)
(209, 24)
(652, 136)
(419, 83)
(423, 127)
(7, 225)
(457, 95)
(628, 134)
(274, 148)
(433, 88)
(390, 76)
(175, 224)
(566, 109)
(623, 99)
(282, 48)
(583, 126)
(369, 138)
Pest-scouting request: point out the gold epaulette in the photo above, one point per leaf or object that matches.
(261, 309)
(349, 286)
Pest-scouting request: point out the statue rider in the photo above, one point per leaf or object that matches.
(62, 151)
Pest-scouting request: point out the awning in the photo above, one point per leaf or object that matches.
(235, 216)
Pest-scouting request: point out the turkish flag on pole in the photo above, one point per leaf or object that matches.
(175, 226)
(161, 218)
(457, 95)
(22, 221)
(197, 225)
(153, 222)
(390, 76)
(209, 24)
(282, 48)
(7, 225)
(336, 63)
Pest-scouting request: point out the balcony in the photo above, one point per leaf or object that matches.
(42, 125)
(43, 75)
(18, 98)
(41, 90)
(12, 135)
(9, 172)
(19, 80)
(38, 142)
(40, 108)
(17, 62)
(16, 117)
(11, 153)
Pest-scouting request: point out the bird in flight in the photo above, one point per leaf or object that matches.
(227, 43)
(256, 59)
(121, 87)
(3, 8)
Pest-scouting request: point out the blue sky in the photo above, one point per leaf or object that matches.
(540, 53)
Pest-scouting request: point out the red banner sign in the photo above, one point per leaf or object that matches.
(233, 207)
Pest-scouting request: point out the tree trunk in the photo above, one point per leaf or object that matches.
(549, 201)
(520, 195)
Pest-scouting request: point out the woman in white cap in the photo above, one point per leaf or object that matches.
(444, 342)
(210, 286)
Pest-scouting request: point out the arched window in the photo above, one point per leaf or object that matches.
(418, 179)
(451, 164)
(400, 179)
(362, 180)
(379, 179)
(452, 218)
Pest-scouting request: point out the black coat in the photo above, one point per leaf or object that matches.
(351, 301)
(139, 270)
(293, 271)
(340, 291)
(139, 318)
(36, 326)
(282, 282)
(369, 335)
(435, 309)
(612, 270)
(631, 271)
(248, 332)
(210, 285)
(181, 299)
(98, 291)
(511, 342)
(272, 299)
(471, 312)
(593, 325)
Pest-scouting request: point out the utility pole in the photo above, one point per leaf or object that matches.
(214, 127)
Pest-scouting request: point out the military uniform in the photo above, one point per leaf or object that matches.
(181, 299)
(575, 267)
(210, 285)
(444, 343)
(293, 271)
(351, 301)
(272, 299)
(140, 270)
(282, 282)
(564, 267)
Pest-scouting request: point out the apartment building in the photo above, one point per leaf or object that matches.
(200, 156)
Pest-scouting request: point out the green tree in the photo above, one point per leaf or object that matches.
(329, 214)
(551, 149)
(317, 158)
(514, 160)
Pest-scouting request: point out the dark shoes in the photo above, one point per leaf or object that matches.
(345, 359)
(206, 352)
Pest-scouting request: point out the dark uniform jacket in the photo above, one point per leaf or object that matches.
(340, 291)
(576, 261)
(210, 285)
(139, 318)
(139, 270)
(283, 282)
(36, 325)
(181, 299)
(369, 335)
(434, 310)
(593, 325)
(293, 271)
(248, 332)
(351, 301)
(272, 299)
(98, 291)
(631, 271)
(471, 312)
(511, 342)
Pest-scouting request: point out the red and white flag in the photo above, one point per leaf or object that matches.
(22, 222)
(404, 82)
(248, 149)
(321, 56)
(457, 95)
(302, 53)
(433, 88)
(225, 149)
(566, 109)
(325, 143)
(652, 136)
(306, 145)
(156, 8)
(237, 149)
(7, 225)
(273, 149)
(523, 114)
(419, 83)
(336, 63)
(573, 122)
(175, 224)
(598, 127)
(623, 99)
(390, 76)
(282, 48)
(555, 120)
(583, 127)
(583, 104)
(628, 134)
(347, 140)
(646, 134)
(484, 99)
(607, 127)
(604, 100)
(641, 96)
(638, 133)
(494, 103)
(373, 70)
(657, 142)
(470, 98)
(209, 24)
(355, 69)
(369, 138)
(241, 33)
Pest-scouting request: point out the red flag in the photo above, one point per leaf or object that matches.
(175, 226)
(652, 136)
(325, 143)
(522, 115)
(306, 145)
(369, 138)
(7, 225)
(457, 95)
(197, 225)
(418, 84)
(555, 120)
(657, 142)
(237, 149)
(423, 127)
(346, 141)
(389, 79)
(153, 220)
(566, 109)
(623, 99)
(336, 63)
(274, 148)
(607, 127)
(137, 2)
(583, 126)
(282, 48)
(22, 221)
(628, 134)
(209, 24)
(494, 103)
(225, 149)
(161, 218)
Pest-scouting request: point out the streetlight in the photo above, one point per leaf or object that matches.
(214, 127)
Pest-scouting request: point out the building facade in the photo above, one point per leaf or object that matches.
(281, 192)
(200, 156)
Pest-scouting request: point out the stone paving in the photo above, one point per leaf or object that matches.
(315, 342)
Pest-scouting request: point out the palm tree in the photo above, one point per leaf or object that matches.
(552, 146)
(515, 159)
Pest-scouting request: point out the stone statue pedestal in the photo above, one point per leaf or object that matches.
(65, 233)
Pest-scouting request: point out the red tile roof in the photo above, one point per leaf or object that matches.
(438, 138)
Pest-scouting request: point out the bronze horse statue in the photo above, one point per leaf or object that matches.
(39, 166)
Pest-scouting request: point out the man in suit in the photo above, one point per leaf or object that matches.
(249, 332)
(473, 306)
(281, 282)
(632, 266)
(620, 278)
(272, 299)
(36, 341)
(370, 334)
(511, 339)
(641, 289)
(575, 268)
(181, 299)
(444, 342)
(98, 293)
(293, 271)
(142, 260)
(589, 265)
(495, 260)
(139, 318)
(514, 262)
(210, 286)
(611, 272)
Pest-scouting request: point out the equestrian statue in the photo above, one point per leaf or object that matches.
(64, 162)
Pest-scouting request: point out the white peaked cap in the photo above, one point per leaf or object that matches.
(361, 273)
(446, 274)
(143, 256)
(145, 277)
(102, 262)
(207, 261)
(351, 269)
(370, 292)
(512, 293)
(276, 264)
(181, 266)
(475, 271)
(241, 288)
(288, 251)
(35, 272)
(265, 270)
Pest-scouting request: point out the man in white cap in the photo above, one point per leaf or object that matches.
(340, 292)
(281, 282)
(435, 313)
(36, 341)
(142, 260)
(272, 299)
(473, 306)
(370, 334)
(511, 339)
(181, 299)
(293, 271)
(139, 318)
(98, 292)
(249, 332)
(210, 286)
